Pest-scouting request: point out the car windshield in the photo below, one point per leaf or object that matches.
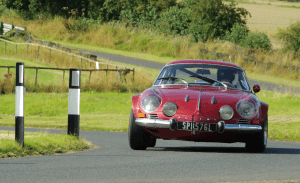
(204, 75)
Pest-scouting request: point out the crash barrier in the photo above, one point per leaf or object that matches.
(73, 103)
(121, 73)
(4, 28)
(19, 104)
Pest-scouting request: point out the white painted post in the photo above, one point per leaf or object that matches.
(74, 102)
(19, 104)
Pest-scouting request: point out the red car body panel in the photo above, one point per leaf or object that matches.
(208, 111)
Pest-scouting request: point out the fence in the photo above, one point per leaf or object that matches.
(121, 72)
(4, 28)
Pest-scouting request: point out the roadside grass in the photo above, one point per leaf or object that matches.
(40, 143)
(98, 111)
(110, 112)
(284, 117)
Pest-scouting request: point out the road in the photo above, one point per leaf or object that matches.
(158, 66)
(169, 161)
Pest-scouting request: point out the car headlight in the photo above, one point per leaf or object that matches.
(169, 109)
(150, 103)
(226, 112)
(246, 109)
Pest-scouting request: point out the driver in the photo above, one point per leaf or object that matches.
(225, 76)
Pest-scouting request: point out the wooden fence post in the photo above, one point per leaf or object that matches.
(27, 50)
(36, 74)
(4, 47)
(90, 76)
(63, 76)
(38, 52)
(49, 54)
(133, 74)
(16, 50)
(106, 71)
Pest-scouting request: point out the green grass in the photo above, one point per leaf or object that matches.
(98, 111)
(40, 143)
(293, 6)
(110, 112)
(165, 60)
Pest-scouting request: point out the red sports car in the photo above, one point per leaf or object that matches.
(201, 101)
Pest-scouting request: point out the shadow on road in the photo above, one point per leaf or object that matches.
(225, 150)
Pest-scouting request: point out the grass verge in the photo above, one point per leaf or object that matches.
(40, 143)
(110, 112)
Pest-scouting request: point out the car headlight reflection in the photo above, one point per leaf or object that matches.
(150, 103)
(226, 112)
(169, 109)
(246, 109)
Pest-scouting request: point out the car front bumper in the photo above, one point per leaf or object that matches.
(221, 125)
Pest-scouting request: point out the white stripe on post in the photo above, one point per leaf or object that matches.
(19, 104)
(74, 102)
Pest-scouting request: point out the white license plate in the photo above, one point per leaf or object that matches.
(203, 127)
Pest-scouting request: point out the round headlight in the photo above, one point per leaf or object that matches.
(169, 109)
(246, 109)
(150, 103)
(226, 112)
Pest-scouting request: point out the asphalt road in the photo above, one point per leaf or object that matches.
(158, 66)
(169, 161)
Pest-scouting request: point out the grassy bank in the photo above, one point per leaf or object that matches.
(98, 112)
(36, 144)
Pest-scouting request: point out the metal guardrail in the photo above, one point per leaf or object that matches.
(4, 28)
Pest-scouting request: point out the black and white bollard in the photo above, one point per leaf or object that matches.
(19, 104)
(74, 102)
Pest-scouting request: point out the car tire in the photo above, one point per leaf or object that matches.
(137, 136)
(258, 143)
(152, 141)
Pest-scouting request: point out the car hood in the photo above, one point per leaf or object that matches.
(211, 99)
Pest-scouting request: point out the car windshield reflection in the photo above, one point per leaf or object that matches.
(203, 75)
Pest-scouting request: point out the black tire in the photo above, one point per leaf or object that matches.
(258, 143)
(152, 141)
(137, 136)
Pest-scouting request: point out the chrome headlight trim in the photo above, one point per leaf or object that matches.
(150, 103)
(169, 109)
(226, 112)
(246, 109)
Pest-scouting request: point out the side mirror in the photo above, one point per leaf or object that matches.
(256, 88)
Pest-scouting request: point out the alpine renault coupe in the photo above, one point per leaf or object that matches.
(201, 101)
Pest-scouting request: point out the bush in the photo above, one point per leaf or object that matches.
(175, 21)
(256, 40)
(211, 19)
(240, 35)
(291, 37)
(236, 34)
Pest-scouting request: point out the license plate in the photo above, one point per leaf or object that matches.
(202, 127)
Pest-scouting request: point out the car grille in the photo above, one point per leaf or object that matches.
(243, 121)
(152, 116)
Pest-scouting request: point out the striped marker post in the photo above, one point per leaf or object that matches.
(74, 102)
(19, 104)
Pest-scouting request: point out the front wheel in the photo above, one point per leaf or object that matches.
(137, 136)
(258, 143)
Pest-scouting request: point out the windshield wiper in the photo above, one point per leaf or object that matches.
(207, 79)
(174, 79)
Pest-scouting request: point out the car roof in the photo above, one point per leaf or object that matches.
(209, 62)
